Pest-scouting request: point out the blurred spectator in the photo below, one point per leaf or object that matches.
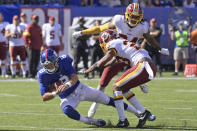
(181, 48)
(3, 46)
(87, 2)
(52, 35)
(167, 3)
(110, 3)
(194, 40)
(14, 33)
(188, 4)
(23, 18)
(156, 3)
(178, 2)
(155, 32)
(80, 47)
(95, 49)
(33, 40)
(143, 3)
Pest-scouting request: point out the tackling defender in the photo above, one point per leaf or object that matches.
(141, 70)
(71, 92)
(129, 26)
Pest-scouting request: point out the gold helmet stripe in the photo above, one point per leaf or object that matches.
(136, 7)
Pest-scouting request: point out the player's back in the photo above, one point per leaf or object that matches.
(128, 51)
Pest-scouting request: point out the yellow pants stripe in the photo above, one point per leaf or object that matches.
(129, 76)
(130, 95)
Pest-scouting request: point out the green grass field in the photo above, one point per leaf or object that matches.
(172, 101)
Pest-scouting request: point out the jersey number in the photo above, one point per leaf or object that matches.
(52, 35)
(131, 44)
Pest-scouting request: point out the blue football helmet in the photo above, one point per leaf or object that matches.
(47, 57)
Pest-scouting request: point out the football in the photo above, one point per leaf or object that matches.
(54, 86)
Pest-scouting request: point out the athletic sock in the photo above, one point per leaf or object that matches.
(132, 99)
(118, 101)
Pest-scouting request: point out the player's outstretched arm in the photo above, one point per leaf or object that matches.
(47, 96)
(101, 63)
(94, 30)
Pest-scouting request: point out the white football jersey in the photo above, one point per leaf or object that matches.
(16, 40)
(127, 51)
(51, 34)
(2, 31)
(24, 24)
(126, 32)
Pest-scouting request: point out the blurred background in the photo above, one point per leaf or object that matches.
(167, 15)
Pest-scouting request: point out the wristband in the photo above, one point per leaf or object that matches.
(69, 84)
(54, 94)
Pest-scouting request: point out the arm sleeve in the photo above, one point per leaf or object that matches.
(68, 66)
(43, 31)
(44, 85)
(146, 27)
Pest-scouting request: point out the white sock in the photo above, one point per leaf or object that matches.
(176, 71)
(23, 68)
(3, 70)
(13, 69)
(132, 109)
(118, 101)
(134, 101)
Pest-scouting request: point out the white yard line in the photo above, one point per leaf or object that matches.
(46, 128)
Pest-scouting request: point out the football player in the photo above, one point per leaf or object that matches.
(52, 35)
(141, 71)
(14, 33)
(129, 26)
(3, 45)
(72, 91)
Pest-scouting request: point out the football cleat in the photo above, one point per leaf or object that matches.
(92, 109)
(152, 118)
(144, 88)
(123, 124)
(96, 122)
(143, 118)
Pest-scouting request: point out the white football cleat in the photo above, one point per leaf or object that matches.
(92, 109)
(144, 88)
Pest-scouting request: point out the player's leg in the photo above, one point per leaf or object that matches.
(108, 74)
(13, 54)
(22, 55)
(133, 77)
(3, 58)
(68, 106)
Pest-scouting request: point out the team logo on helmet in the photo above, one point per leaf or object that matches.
(133, 14)
(105, 37)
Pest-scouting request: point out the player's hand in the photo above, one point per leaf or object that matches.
(164, 51)
(61, 88)
(76, 34)
(89, 70)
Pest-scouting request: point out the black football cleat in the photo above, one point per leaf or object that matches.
(143, 118)
(123, 124)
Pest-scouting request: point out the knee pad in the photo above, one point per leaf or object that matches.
(71, 112)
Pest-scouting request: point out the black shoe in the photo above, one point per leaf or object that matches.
(175, 74)
(123, 124)
(143, 118)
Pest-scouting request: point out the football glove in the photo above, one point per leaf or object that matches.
(164, 51)
(76, 34)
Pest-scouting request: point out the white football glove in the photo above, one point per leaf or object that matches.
(164, 51)
(76, 34)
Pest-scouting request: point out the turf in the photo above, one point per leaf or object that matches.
(172, 101)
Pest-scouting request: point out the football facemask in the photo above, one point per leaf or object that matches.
(133, 14)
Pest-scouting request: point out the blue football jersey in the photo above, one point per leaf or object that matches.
(64, 72)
